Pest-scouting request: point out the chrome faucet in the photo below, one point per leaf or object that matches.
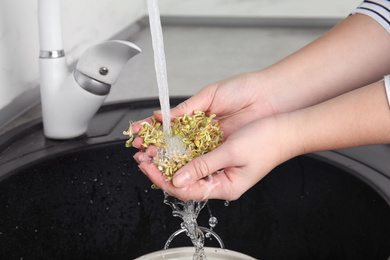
(70, 99)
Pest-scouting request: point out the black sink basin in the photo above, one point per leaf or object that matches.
(86, 199)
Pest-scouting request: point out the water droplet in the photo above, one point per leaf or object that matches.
(1, 233)
(95, 180)
(91, 201)
(213, 221)
(123, 173)
(17, 227)
(146, 191)
(80, 234)
(226, 203)
(101, 184)
(36, 231)
(208, 235)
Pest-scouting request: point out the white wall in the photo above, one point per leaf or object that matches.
(259, 8)
(85, 22)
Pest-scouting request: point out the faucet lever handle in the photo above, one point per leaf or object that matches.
(104, 62)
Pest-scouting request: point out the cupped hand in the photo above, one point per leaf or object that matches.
(240, 162)
(236, 101)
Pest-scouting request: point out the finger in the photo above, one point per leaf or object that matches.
(146, 156)
(197, 191)
(204, 165)
(204, 189)
(216, 186)
(200, 101)
(141, 157)
(138, 142)
(154, 174)
(151, 151)
(136, 126)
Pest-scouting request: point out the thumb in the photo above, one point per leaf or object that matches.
(203, 166)
(200, 101)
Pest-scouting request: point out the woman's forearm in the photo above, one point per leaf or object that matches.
(352, 54)
(359, 117)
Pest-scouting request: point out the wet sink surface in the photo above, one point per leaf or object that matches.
(83, 205)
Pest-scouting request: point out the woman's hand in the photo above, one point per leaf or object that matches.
(236, 101)
(246, 156)
(359, 117)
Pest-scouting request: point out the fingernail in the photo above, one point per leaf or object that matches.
(142, 157)
(149, 153)
(181, 179)
(157, 112)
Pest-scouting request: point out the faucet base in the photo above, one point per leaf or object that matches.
(66, 107)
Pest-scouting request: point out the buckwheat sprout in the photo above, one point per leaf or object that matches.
(199, 133)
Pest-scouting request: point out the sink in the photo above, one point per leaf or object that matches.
(86, 199)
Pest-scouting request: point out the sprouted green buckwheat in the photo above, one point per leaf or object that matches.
(199, 134)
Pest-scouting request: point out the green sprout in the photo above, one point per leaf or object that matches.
(199, 133)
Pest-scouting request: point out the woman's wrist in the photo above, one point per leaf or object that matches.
(360, 117)
(322, 70)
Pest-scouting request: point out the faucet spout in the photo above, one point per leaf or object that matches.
(99, 66)
(70, 100)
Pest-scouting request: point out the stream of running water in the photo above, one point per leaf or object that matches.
(160, 63)
(188, 210)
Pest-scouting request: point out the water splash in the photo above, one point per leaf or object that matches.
(188, 211)
(213, 221)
